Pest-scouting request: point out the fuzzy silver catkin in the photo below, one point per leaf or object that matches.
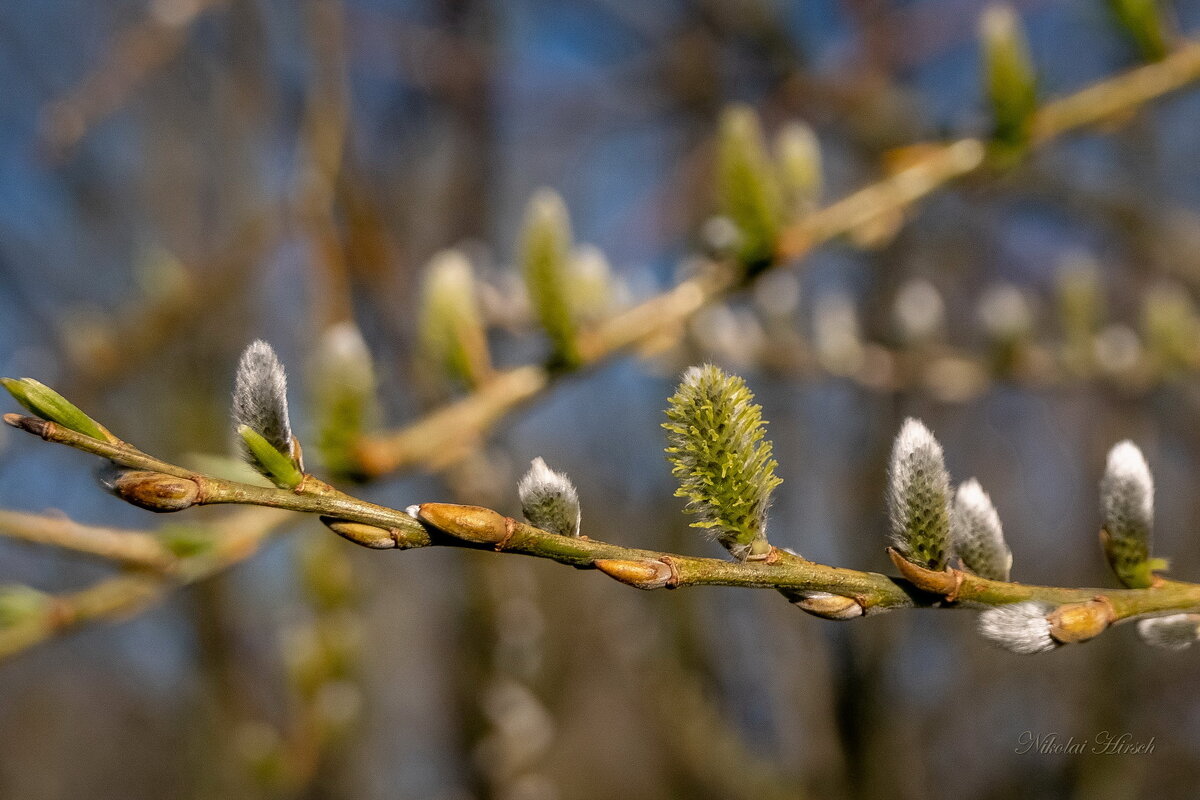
(1127, 505)
(549, 500)
(1172, 632)
(1020, 627)
(976, 535)
(919, 497)
(260, 397)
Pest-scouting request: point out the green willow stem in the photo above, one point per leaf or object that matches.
(470, 526)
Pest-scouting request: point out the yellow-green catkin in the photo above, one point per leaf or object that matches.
(721, 459)
(747, 186)
(1009, 75)
(545, 263)
(453, 339)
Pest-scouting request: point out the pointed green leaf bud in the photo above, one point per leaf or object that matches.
(975, 533)
(1020, 628)
(1143, 21)
(748, 190)
(48, 404)
(723, 463)
(545, 263)
(1009, 74)
(343, 392)
(1127, 506)
(798, 154)
(452, 335)
(549, 500)
(919, 497)
(1172, 632)
(260, 412)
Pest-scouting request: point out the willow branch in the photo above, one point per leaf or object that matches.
(438, 438)
(235, 539)
(439, 524)
(134, 548)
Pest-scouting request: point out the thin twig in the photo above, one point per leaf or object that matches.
(135, 548)
(474, 527)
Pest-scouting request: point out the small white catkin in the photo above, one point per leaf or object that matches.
(976, 535)
(919, 497)
(1127, 490)
(1020, 627)
(1173, 632)
(549, 500)
(260, 396)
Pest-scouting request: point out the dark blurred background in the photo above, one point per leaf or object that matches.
(179, 177)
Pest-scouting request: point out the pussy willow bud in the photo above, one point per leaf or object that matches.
(50, 405)
(1127, 506)
(919, 311)
(748, 190)
(343, 393)
(452, 336)
(1008, 67)
(549, 500)
(154, 491)
(545, 255)
(1143, 21)
(1020, 627)
(798, 154)
(260, 413)
(723, 463)
(919, 497)
(975, 533)
(1173, 632)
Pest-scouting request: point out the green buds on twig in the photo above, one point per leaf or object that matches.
(1172, 632)
(975, 533)
(452, 336)
(1009, 73)
(1143, 21)
(919, 497)
(1021, 628)
(48, 404)
(549, 500)
(1127, 506)
(798, 154)
(723, 463)
(261, 414)
(545, 263)
(343, 392)
(748, 190)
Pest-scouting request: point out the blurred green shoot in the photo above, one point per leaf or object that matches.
(545, 264)
(452, 336)
(749, 192)
(1010, 77)
(1143, 22)
(344, 396)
